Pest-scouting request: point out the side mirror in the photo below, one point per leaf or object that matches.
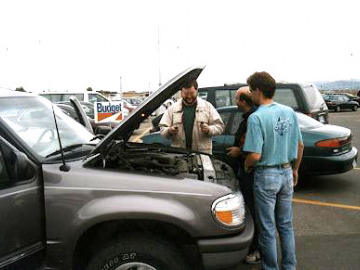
(20, 167)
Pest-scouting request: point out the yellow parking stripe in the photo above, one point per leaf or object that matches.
(344, 206)
(137, 139)
(356, 168)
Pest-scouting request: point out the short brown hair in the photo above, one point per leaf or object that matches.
(264, 82)
(190, 83)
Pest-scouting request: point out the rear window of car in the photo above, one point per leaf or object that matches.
(62, 97)
(313, 97)
(287, 97)
(223, 98)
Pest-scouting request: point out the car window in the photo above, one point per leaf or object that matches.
(88, 109)
(236, 122)
(69, 111)
(313, 96)
(97, 98)
(232, 96)
(287, 97)
(222, 98)
(66, 97)
(55, 97)
(307, 122)
(32, 120)
(225, 117)
(203, 94)
(4, 176)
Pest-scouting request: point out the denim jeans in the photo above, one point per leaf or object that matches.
(247, 189)
(273, 191)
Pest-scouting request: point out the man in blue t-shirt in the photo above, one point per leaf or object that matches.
(274, 143)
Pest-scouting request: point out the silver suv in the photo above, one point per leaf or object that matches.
(68, 201)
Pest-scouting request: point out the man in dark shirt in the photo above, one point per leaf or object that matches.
(245, 104)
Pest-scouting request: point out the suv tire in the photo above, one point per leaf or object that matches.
(355, 108)
(145, 251)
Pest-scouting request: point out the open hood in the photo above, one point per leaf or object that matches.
(124, 130)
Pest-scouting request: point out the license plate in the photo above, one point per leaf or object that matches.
(354, 163)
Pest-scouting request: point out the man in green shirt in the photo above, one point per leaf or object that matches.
(191, 122)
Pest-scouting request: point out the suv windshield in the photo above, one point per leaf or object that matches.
(31, 118)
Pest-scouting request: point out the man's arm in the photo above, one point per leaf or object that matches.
(166, 123)
(296, 163)
(251, 160)
(216, 124)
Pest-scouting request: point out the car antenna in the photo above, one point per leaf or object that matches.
(63, 167)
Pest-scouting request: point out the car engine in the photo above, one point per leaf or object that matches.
(161, 161)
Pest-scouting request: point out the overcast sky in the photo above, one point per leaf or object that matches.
(72, 45)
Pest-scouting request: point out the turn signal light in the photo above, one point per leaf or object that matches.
(333, 143)
(229, 210)
(225, 217)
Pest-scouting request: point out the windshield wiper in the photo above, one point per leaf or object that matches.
(67, 149)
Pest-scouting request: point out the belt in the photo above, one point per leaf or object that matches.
(280, 166)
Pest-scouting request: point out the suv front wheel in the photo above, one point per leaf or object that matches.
(145, 252)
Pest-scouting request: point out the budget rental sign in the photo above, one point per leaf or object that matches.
(106, 112)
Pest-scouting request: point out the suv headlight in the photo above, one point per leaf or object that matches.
(229, 210)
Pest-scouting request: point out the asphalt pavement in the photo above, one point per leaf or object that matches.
(327, 214)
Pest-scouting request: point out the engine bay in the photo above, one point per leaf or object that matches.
(166, 161)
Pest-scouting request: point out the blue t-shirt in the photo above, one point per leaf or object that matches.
(273, 131)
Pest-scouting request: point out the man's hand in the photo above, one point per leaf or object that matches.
(204, 128)
(233, 151)
(251, 160)
(295, 177)
(173, 130)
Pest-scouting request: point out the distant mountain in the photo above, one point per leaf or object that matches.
(338, 85)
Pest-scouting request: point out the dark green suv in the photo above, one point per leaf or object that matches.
(304, 98)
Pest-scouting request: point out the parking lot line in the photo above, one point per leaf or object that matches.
(344, 206)
(356, 168)
(137, 139)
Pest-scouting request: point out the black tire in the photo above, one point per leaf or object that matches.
(355, 108)
(337, 109)
(135, 251)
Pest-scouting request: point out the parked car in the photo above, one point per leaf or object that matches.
(70, 201)
(88, 107)
(304, 98)
(340, 102)
(72, 109)
(353, 97)
(134, 101)
(328, 148)
(88, 96)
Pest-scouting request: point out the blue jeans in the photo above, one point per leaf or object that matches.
(273, 191)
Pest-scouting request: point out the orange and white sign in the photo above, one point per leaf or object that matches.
(106, 112)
